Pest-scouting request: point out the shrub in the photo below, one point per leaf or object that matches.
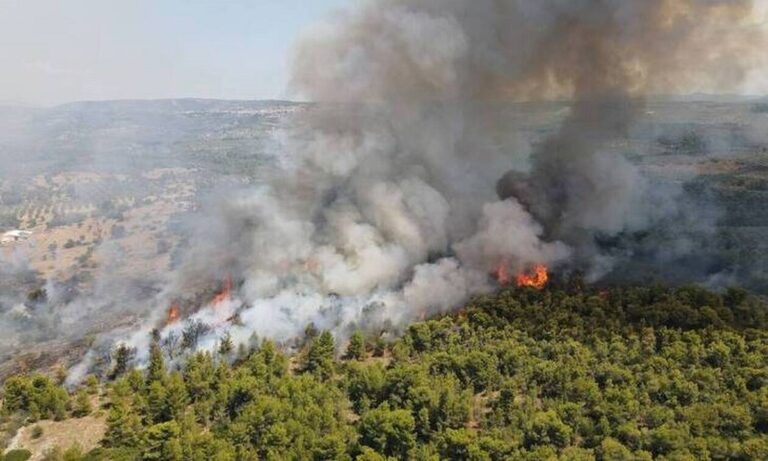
(17, 455)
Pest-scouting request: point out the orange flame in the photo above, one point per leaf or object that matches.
(226, 292)
(174, 314)
(538, 278)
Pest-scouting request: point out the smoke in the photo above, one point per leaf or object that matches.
(422, 79)
(390, 200)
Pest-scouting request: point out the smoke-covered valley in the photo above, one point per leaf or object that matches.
(426, 168)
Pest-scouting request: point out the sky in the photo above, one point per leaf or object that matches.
(56, 51)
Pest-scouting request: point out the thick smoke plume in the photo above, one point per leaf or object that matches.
(391, 201)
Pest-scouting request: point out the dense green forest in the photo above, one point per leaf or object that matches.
(568, 373)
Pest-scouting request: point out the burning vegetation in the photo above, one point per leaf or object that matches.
(225, 294)
(454, 386)
(174, 313)
(536, 278)
(397, 204)
(395, 199)
(397, 195)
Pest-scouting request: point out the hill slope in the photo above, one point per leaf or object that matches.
(562, 374)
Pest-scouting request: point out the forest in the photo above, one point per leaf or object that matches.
(566, 373)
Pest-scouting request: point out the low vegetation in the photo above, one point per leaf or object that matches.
(560, 374)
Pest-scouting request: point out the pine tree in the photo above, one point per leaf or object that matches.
(123, 355)
(92, 384)
(82, 405)
(225, 345)
(177, 398)
(319, 360)
(157, 403)
(356, 347)
(162, 442)
(124, 428)
(156, 369)
(59, 400)
(155, 335)
(34, 412)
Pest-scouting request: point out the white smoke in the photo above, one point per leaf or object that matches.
(385, 206)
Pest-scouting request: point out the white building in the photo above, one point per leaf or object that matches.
(14, 236)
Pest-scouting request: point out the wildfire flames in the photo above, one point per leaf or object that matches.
(174, 313)
(226, 292)
(537, 278)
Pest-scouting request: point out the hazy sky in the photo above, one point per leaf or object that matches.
(54, 51)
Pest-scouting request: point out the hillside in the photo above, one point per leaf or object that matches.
(563, 374)
(119, 194)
